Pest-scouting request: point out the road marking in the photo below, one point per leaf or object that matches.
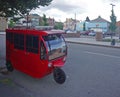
(101, 54)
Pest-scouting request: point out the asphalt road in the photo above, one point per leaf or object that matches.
(91, 72)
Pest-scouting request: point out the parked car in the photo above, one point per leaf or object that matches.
(110, 33)
(69, 31)
(92, 33)
(85, 32)
(103, 33)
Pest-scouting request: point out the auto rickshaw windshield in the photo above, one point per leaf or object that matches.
(56, 46)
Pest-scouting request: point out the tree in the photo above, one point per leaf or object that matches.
(58, 25)
(87, 19)
(11, 23)
(45, 20)
(113, 22)
(84, 26)
(10, 8)
(41, 22)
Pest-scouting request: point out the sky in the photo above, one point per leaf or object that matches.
(62, 9)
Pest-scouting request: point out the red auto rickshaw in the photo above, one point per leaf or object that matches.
(36, 52)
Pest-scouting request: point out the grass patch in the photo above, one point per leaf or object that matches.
(107, 40)
(6, 81)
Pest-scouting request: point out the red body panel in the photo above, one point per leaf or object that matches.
(31, 63)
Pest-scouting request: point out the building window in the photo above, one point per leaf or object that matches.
(32, 43)
(19, 41)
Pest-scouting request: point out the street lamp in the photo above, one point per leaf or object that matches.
(112, 5)
(113, 20)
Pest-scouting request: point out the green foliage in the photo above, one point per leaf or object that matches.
(58, 25)
(87, 19)
(45, 20)
(11, 24)
(113, 22)
(6, 81)
(41, 23)
(84, 26)
(9, 8)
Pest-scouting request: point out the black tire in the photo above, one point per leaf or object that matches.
(9, 66)
(59, 75)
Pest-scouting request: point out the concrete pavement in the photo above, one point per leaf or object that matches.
(9, 88)
(92, 41)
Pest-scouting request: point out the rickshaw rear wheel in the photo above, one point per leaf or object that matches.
(9, 66)
(59, 75)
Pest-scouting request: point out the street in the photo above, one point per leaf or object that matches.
(91, 71)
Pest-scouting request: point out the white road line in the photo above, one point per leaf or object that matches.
(101, 54)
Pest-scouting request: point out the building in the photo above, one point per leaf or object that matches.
(51, 21)
(70, 24)
(118, 27)
(98, 24)
(79, 26)
(34, 19)
(31, 20)
(3, 24)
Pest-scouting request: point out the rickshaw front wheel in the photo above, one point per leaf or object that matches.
(59, 75)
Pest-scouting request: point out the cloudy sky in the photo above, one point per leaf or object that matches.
(62, 9)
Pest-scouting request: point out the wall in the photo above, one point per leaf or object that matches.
(3, 24)
(103, 26)
(79, 26)
(74, 35)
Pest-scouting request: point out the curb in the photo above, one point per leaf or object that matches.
(84, 43)
(118, 47)
(2, 34)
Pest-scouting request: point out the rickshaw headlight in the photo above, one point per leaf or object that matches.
(50, 65)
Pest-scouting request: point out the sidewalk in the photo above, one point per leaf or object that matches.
(92, 41)
(2, 33)
(88, 41)
(8, 88)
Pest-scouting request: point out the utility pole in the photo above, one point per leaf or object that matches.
(27, 20)
(75, 23)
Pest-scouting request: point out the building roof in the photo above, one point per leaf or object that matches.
(35, 31)
(35, 15)
(99, 19)
(118, 23)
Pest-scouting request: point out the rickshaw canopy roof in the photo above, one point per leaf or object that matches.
(34, 31)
